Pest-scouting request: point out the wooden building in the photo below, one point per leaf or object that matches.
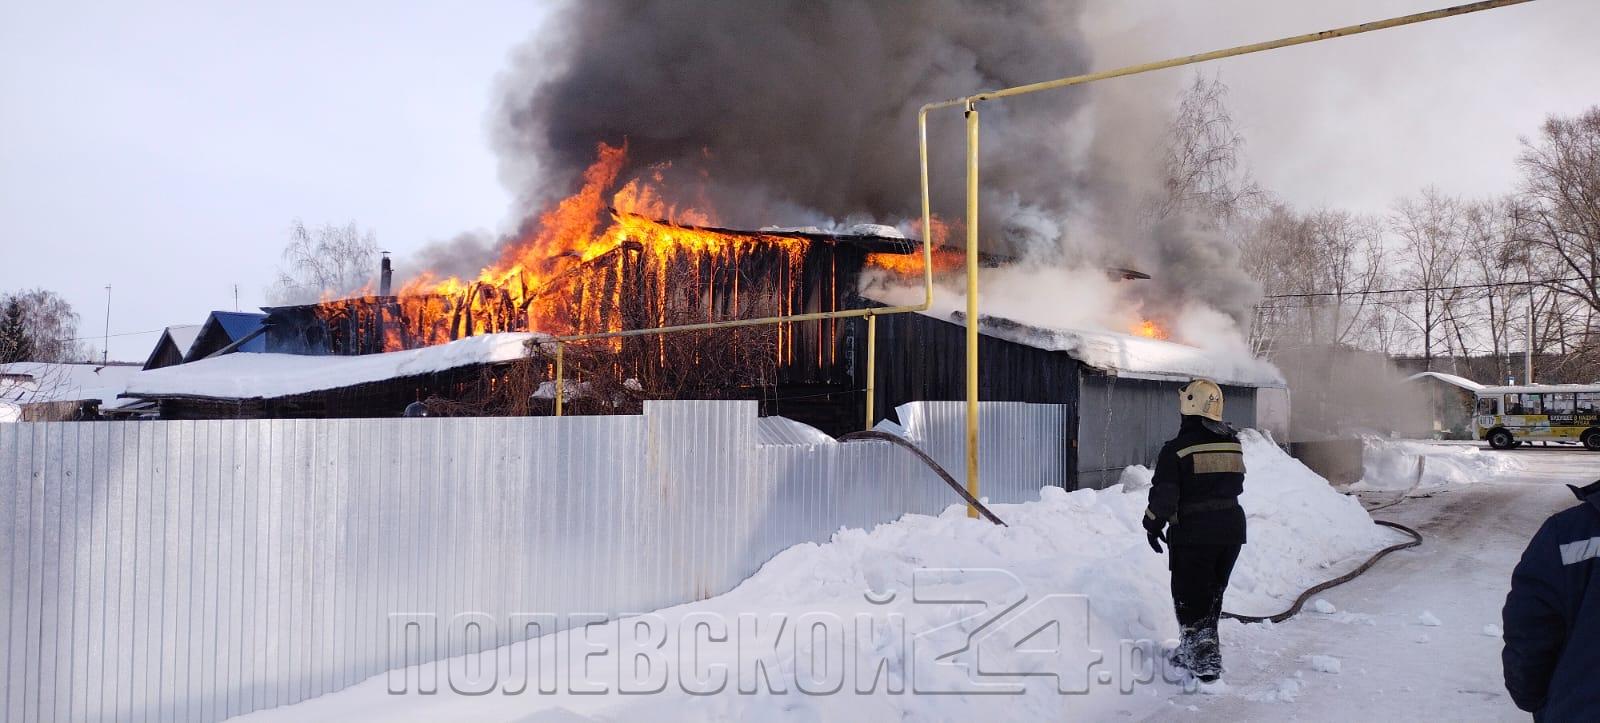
(173, 346)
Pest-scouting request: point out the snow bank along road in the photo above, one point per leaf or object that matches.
(1406, 640)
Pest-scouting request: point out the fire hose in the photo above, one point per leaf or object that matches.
(900, 441)
(1416, 539)
(1294, 609)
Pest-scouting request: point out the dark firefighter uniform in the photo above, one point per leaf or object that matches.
(1194, 507)
(1552, 616)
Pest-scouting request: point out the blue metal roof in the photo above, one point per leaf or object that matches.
(239, 323)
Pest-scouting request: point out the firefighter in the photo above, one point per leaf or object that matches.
(1552, 616)
(1194, 508)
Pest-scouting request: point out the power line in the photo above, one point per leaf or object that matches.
(1456, 287)
(123, 333)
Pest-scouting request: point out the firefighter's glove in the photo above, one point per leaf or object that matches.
(1154, 529)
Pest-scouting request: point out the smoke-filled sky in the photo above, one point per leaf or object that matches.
(163, 148)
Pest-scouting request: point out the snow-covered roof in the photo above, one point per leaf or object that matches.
(1450, 379)
(265, 376)
(1138, 357)
(46, 382)
(1537, 388)
(183, 336)
(1124, 355)
(1133, 357)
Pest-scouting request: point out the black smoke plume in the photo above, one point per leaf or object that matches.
(795, 111)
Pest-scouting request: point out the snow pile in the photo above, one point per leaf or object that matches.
(1324, 664)
(1086, 544)
(1392, 465)
(1297, 524)
(260, 375)
(10, 412)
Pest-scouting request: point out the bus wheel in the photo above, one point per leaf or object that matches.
(1591, 440)
(1501, 439)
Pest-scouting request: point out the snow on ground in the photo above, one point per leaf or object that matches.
(1393, 465)
(1417, 635)
(1085, 543)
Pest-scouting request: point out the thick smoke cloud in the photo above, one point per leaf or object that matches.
(803, 112)
(795, 110)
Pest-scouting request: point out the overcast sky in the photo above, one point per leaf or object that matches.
(163, 148)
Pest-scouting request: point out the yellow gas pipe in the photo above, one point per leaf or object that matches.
(970, 104)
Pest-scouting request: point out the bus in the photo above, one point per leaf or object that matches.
(1506, 417)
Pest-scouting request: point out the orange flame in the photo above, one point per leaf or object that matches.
(586, 259)
(1149, 330)
(945, 259)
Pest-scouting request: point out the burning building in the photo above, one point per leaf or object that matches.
(617, 256)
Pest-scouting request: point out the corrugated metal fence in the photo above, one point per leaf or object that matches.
(200, 569)
(1124, 422)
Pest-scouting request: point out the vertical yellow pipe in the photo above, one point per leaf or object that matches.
(972, 305)
(560, 372)
(927, 208)
(872, 364)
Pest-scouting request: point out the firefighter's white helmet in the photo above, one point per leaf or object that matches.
(1201, 398)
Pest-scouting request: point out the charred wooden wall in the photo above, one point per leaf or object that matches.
(628, 288)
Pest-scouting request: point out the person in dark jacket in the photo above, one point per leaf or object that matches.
(1194, 508)
(1551, 621)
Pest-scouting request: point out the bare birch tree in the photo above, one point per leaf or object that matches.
(1497, 261)
(1203, 166)
(38, 325)
(324, 261)
(1561, 193)
(1429, 230)
(1346, 256)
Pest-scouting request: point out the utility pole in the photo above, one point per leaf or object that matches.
(1527, 351)
(105, 341)
(235, 297)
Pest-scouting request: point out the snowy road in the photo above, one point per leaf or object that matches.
(1390, 663)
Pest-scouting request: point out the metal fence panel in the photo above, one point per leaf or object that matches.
(197, 570)
(1124, 422)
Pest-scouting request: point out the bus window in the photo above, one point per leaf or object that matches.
(1558, 403)
(1490, 405)
(1532, 404)
(1513, 404)
(1588, 403)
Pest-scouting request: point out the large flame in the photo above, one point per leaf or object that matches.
(567, 274)
(614, 255)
